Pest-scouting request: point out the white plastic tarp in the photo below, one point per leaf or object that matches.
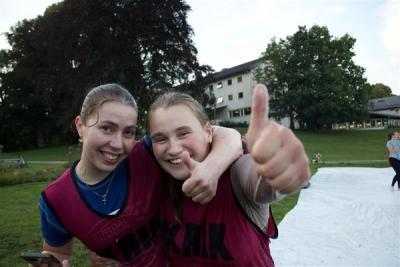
(347, 217)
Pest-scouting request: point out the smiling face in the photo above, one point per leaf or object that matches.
(176, 129)
(108, 136)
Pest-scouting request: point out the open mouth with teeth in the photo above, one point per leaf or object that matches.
(175, 161)
(110, 157)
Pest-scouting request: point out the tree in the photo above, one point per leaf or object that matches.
(146, 45)
(379, 90)
(312, 78)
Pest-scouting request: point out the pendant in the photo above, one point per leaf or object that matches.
(104, 200)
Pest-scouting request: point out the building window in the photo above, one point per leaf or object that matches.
(219, 85)
(234, 113)
(230, 97)
(211, 88)
(240, 95)
(239, 79)
(239, 112)
(229, 82)
(220, 100)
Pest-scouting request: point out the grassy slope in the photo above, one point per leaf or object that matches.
(346, 145)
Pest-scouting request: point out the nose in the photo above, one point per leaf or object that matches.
(174, 148)
(116, 141)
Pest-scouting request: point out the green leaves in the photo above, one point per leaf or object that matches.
(313, 79)
(379, 90)
(145, 45)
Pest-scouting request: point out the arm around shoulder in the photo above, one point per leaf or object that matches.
(226, 148)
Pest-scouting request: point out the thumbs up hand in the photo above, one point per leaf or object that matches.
(279, 155)
(201, 185)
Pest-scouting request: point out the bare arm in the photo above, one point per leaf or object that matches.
(280, 157)
(246, 182)
(61, 253)
(98, 261)
(391, 149)
(203, 182)
(226, 148)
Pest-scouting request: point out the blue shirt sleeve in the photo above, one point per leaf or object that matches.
(52, 230)
(389, 143)
(148, 142)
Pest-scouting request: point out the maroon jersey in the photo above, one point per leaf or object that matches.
(215, 234)
(132, 235)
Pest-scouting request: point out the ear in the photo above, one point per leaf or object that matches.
(79, 125)
(209, 132)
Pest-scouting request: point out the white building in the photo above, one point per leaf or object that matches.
(385, 111)
(233, 89)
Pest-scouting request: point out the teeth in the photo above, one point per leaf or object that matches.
(175, 161)
(110, 156)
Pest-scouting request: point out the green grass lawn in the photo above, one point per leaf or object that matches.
(346, 145)
(59, 153)
(20, 225)
(19, 220)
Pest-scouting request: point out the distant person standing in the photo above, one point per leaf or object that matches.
(393, 146)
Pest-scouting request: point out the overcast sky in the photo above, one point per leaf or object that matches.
(228, 33)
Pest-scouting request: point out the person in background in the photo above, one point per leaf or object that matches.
(231, 229)
(393, 146)
(110, 198)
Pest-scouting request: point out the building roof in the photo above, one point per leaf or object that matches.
(384, 103)
(229, 72)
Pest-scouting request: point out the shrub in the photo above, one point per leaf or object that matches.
(232, 124)
(10, 175)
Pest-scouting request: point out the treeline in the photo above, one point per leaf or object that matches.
(314, 80)
(146, 45)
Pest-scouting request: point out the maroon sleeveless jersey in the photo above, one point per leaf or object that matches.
(132, 235)
(215, 234)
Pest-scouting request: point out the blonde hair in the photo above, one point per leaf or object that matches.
(99, 95)
(171, 99)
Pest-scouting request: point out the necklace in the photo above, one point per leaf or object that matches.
(104, 196)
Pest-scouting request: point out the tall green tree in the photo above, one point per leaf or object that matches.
(146, 45)
(313, 79)
(379, 90)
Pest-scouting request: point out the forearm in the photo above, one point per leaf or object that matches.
(98, 261)
(266, 194)
(226, 148)
(62, 252)
(249, 183)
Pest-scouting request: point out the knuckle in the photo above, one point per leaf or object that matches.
(287, 131)
(257, 154)
(263, 170)
(297, 145)
(203, 186)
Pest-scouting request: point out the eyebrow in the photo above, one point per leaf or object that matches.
(116, 125)
(183, 128)
(156, 135)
